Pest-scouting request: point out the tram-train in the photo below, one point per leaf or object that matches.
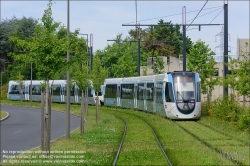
(57, 91)
(175, 95)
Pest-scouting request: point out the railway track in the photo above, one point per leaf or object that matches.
(124, 134)
(159, 143)
(244, 141)
(227, 147)
(123, 137)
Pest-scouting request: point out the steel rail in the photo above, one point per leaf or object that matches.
(123, 137)
(159, 143)
(206, 144)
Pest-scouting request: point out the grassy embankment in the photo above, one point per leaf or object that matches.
(100, 142)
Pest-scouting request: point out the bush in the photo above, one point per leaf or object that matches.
(244, 120)
(226, 109)
(205, 108)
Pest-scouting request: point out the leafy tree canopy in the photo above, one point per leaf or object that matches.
(23, 28)
(200, 60)
(98, 74)
(239, 78)
(120, 58)
(47, 47)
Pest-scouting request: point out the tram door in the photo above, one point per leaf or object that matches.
(63, 90)
(26, 92)
(145, 96)
(135, 96)
(76, 94)
(118, 95)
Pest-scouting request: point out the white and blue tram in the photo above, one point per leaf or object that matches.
(175, 95)
(57, 91)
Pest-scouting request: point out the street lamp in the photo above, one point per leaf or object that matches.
(1, 82)
(5, 62)
(87, 38)
(87, 46)
(87, 52)
(68, 79)
(91, 51)
(31, 84)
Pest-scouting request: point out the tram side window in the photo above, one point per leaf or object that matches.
(169, 92)
(140, 90)
(89, 92)
(72, 91)
(111, 91)
(14, 89)
(127, 91)
(79, 91)
(158, 89)
(150, 91)
(56, 89)
(36, 90)
(198, 92)
(99, 93)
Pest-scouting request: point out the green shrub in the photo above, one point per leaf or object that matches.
(244, 120)
(205, 107)
(226, 109)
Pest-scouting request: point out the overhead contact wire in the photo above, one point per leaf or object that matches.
(216, 16)
(172, 15)
(197, 14)
(205, 14)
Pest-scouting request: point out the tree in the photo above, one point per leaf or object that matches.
(110, 55)
(200, 60)
(47, 49)
(164, 41)
(126, 66)
(156, 49)
(23, 27)
(121, 57)
(98, 75)
(135, 33)
(79, 74)
(7, 27)
(231, 80)
(239, 79)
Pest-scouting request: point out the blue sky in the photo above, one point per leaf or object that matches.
(104, 19)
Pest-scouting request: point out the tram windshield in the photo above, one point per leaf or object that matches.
(184, 87)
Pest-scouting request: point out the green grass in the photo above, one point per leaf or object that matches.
(226, 128)
(181, 148)
(219, 141)
(140, 147)
(3, 114)
(101, 140)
